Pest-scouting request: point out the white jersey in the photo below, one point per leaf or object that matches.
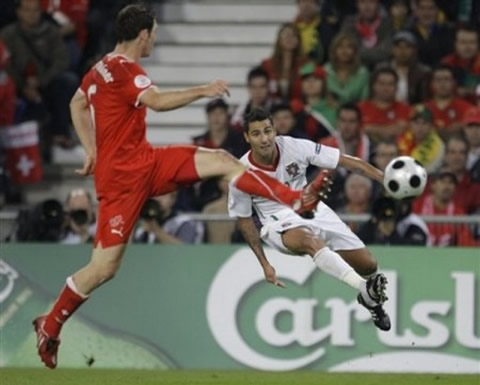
(295, 155)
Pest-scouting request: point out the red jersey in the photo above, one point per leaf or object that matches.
(444, 234)
(113, 88)
(372, 114)
(452, 113)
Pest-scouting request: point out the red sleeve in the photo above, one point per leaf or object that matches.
(86, 82)
(135, 83)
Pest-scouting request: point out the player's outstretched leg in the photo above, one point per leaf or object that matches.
(373, 299)
(212, 163)
(301, 241)
(102, 267)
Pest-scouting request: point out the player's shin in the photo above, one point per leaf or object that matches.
(333, 264)
(255, 182)
(66, 304)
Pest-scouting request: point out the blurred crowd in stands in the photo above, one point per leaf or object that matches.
(376, 79)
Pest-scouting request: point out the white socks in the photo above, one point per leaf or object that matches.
(71, 285)
(333, 264)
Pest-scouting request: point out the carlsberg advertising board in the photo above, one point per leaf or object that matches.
(209, 307)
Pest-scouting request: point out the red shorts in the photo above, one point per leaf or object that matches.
(121, 201)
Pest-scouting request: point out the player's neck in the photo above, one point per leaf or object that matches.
(128, 49)
(267, 161)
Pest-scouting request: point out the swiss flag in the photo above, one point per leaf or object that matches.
(23, 162)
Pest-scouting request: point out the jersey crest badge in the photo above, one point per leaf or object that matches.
(292, 169)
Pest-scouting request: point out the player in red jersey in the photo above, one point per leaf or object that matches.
(108, 113)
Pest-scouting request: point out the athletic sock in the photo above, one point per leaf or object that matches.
(333, 264)
(67, 303)
(258, 183)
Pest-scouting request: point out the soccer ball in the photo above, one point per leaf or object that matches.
(404, 178)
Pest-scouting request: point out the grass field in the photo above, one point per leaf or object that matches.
(178, 377)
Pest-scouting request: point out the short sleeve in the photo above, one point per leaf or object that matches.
(86, 82)
(135, 84)
(315, 153)
(239, 203)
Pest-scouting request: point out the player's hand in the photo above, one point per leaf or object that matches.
(88, 166)
(217, 89)
(271, 276)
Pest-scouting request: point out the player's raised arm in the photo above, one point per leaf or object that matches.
(169, 100)
(84, 127)
(250, 233)
(359, 166)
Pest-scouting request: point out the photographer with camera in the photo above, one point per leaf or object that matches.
(44, 222)
(161, 223)
(80, 218)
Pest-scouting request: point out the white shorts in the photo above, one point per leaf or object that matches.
(326, 225)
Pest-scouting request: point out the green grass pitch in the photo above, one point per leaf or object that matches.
(204, 377)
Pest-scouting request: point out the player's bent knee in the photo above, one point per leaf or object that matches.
(311, 244)
(368, 266)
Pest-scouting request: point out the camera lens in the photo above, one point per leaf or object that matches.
(80, 217)
(151, 209)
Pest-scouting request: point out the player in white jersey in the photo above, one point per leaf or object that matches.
(335, 249)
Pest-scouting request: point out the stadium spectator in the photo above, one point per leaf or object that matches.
(71, 18)
(316, 31)
(465, 61)
(472, 133)
(347, 79)
(349, 137)
(412, 75)
(448, 109)
(399, 14)
(383, 117)
(315, 112)
(257, 85)
(8, 92)
(358, 191)
(440, 202)
(39, 63)
(434, 35)
(421, 141)
(219, 231)
(284, 121)
(161, 223)
(467, 193)
(283, 66)
(374, 29)
(381, 228)
(411, 227)
(80, 218)
(383, 154)
(219, 134)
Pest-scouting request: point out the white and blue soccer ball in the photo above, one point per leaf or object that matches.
(404, 178)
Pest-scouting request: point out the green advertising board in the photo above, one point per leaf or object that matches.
(199, 307)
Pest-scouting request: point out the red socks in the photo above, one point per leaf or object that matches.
(258, 183)
(67, 303)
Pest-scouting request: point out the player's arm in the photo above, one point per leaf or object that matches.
(250, 233)
(359, 166)
(169, 100)
(82, 122)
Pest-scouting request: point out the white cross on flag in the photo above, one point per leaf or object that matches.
(24, 163)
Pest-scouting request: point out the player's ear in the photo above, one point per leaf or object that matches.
(144, 34)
